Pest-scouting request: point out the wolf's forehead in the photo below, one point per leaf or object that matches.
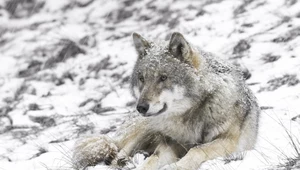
(158, 59)
(158, 62)
(157, 47)
(154, 64)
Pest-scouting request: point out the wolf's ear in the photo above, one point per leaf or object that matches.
(182, 50)
(141, 44)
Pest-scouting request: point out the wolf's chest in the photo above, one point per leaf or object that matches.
(182, 132)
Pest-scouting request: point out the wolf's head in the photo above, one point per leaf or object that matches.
(165, 76)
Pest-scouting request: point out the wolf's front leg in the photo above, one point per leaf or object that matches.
(92, 150)
(130, 139)
(163, 155)
(199, 154)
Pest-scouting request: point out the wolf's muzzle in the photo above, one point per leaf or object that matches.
(142, 108)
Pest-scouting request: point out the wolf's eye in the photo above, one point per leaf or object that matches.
(163, 78)
(141, 79)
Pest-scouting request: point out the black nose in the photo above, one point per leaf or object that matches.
(142, 107)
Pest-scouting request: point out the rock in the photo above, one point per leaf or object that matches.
(241, 47)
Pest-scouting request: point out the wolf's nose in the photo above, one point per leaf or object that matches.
(142, 108)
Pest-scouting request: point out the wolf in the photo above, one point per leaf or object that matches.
(193, 107)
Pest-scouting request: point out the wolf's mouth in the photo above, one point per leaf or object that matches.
(159, 112)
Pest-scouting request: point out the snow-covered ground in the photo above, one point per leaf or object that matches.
(65, 67)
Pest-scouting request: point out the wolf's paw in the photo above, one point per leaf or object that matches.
(92, 150)
(120, 160)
